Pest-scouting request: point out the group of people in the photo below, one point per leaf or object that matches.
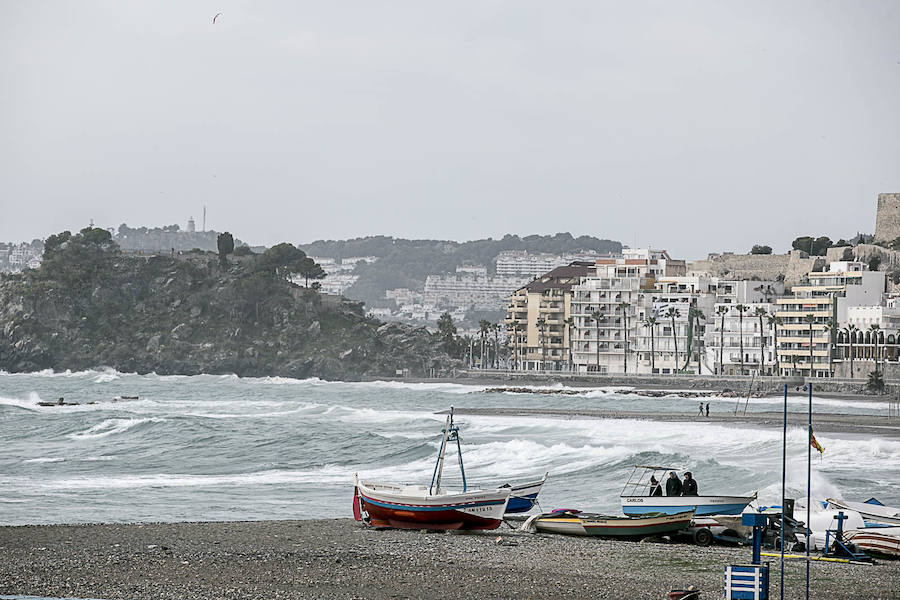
(703, 409)
(674, 485)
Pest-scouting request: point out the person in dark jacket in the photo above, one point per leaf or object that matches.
(689, 487)
(673, 485)
(655, 488)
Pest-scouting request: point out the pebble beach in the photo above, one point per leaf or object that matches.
(340, 558)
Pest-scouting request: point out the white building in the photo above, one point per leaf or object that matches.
(468, 290)
(521, 263)
(741, 342)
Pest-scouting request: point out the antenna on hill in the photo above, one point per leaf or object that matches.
(204, 217)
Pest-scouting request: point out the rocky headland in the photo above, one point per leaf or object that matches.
(90, 305)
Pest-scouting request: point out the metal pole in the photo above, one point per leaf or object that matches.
(808, 479)
(783, 471)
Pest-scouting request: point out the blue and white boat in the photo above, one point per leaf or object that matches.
(637, 499)
(522, 496)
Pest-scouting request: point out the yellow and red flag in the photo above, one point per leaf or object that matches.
(814, 443)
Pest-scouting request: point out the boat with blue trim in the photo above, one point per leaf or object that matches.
(637, 498)
(523, 496)
(417, 507)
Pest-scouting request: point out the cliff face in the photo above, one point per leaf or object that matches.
(90, 306)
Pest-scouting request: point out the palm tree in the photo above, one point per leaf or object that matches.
(672, 313)
(483, 327)
(512, 330)
(570, 326)
(650, 323)
(496, 329)
(874, 329)
(624, 306)
(831, 327)
(698, 314)
(774, 322)
(760, 312)
(741, 308)
(851, 333)
(721, 311)
(596, 315)
(810, 320)
(542, 327)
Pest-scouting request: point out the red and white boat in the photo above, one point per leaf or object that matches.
(416, 507)
(412, 507)
(877, 541)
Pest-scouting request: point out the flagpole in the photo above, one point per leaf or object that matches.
(808, 480)
(783, 470)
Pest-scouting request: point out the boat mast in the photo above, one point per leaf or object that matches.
(439, 467)
(455, 432)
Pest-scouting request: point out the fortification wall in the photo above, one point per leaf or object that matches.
(792, 266)
(887, 217)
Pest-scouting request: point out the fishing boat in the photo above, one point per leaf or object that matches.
(636, 498)
(522, 496)
(573, 522)
(872, 511)
(877, 541)
(418, 507)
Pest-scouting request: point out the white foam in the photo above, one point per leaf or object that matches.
(325, 475)
(111, 427)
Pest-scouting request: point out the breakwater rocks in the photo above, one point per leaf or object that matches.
(89, 305)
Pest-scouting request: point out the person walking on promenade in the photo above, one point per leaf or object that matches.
(673, 485)
(707, 409)
(700, 414)
(689, 487)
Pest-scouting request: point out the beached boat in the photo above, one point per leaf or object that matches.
(522, 496)
(417, 507)
(636, 498)
(573, 522)
(876, 541)
(872, 511)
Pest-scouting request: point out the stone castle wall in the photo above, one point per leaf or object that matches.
(768, 267)
(887, 219)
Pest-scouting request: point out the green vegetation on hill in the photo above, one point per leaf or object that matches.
(406, 263)
(89, 305)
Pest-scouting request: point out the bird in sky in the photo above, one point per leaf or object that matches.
(216, 17)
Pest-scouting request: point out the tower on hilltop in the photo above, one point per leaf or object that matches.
(191, 227)
(887, 218)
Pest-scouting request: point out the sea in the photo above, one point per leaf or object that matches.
(226, 448)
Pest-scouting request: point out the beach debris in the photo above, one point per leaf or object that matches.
(502, 542)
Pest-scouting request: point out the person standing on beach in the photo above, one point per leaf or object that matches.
(673, 485)
(689, 487)
(707, 409)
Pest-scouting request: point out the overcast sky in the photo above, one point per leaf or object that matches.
(693, 126)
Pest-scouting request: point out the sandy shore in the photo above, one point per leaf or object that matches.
(822, 422)
(342, 559)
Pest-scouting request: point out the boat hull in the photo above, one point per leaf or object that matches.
(877, 541)
(871, 513)
(523, 496)
(395, 506)
(602, 525)
(700, 505)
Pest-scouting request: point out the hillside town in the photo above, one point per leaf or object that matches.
(832, 315)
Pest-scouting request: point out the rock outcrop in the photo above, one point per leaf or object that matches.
(91, 306)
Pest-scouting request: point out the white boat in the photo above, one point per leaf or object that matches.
(871, 510)
(636, 498)
(416, 507)
(523, 496)
(412, 507)
(574, 522)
